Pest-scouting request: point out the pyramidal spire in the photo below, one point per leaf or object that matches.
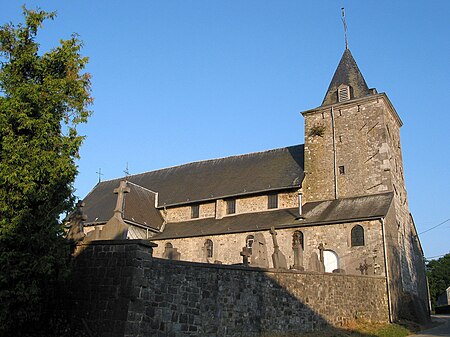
(347, 83)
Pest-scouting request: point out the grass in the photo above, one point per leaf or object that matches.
(380, 329)
(360, 329)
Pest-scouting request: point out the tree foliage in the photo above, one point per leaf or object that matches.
(438, 272)
(43, 97)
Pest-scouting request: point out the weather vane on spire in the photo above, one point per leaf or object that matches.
(345, 27)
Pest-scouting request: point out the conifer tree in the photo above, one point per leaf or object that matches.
(43, 97)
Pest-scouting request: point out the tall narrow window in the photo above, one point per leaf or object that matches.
(231, 206)
(209, 248)
(272, 201)
(249, 242)
(357, 236)
(341, 170)
(195, 211)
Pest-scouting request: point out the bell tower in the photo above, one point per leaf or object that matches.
(352, 141)
(352, 148)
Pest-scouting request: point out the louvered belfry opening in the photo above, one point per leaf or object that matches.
(344, 93)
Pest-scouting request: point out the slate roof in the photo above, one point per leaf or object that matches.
(139, 206)
(314, 213)
(194, 182)
(347, 73)
(212, 179)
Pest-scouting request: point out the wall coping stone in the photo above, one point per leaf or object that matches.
(258, 269)
(139, 242)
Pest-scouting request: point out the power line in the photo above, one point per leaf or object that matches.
(433, 257)
(443, 222)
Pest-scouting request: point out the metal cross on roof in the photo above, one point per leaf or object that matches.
(100, 174)
(126, 171)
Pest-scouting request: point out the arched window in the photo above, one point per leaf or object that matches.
(209, 248)
(357, 236)
(297, 239)
(168, 245)
(249, 242)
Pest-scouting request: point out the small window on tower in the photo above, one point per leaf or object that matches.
(195, 211)
(342, 170)
(343, 93)
(272, 201)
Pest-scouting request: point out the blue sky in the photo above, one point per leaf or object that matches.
(181, 81)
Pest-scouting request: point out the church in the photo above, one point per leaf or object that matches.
(335, 204)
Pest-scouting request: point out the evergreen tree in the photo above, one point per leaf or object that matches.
(43, 97)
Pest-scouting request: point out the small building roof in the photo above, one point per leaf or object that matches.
(314, 213)
(139, 206)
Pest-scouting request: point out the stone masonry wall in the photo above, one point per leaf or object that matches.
(410, 260)
(183, 213)
(101, 285)
(361, 148)
(367, 144)
(337, 237)
(248, 204)
(120, 290)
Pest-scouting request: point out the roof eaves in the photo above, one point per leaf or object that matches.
(321, 108)
(144, 226)
(337, 221)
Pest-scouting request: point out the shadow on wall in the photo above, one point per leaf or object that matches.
(118, 289)
(411, 300)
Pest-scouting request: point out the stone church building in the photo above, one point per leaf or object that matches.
(335, 204)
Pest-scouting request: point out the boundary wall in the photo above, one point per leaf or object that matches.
(119, 289)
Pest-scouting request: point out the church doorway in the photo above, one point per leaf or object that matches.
(330, 260)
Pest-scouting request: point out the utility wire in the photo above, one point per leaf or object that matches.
(433, 257)
(443, 222)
